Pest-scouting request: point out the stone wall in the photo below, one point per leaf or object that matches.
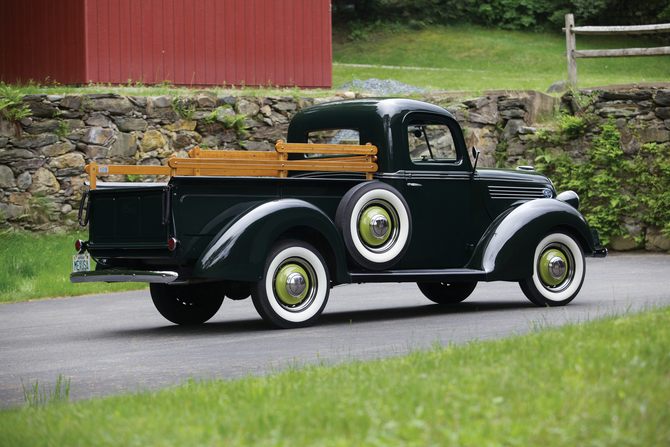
(42, 158)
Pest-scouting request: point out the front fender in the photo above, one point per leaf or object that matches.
(506, 249)
(239, 251)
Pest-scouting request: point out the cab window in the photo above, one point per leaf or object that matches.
(333, 136)
(430, 142)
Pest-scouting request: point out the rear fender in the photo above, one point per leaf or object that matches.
(239, 251)
(506, 249)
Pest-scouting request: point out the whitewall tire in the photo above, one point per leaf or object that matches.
(558, 271)
(376, 225)
(295, 285)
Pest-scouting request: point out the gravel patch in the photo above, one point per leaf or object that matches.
(379, 87)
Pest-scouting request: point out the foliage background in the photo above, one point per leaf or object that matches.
(539, 15)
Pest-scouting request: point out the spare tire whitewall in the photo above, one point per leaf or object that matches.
(558, 271)
(376, 225)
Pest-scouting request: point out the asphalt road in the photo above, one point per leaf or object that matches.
(118, 342)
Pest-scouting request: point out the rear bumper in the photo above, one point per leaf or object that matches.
(124, 276)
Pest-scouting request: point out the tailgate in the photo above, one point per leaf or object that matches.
(127, 218)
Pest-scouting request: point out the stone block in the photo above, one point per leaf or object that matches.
(124, 146)
(115, 106)
(96, 152)
(20, 198)
(44, 181)
(258, 146)
(656, 240)
(247, 108)
(99, 120)
(33, 142)
(3, 142)
(621, 243)
(558, 87)
(73, 125)
(98, 135)
(631, 95)
(653, 134)
(72, 102)
(181, 125)
(152, 140)
(15, 154)
(68, 161)
(513, 114)
(60, 148)
(662, 98)
(24, 180)
(9, 211)
(41, 110)
(162, 102)
(663, 112)
(46, 126)
(284, 106)
(7, 179)
(206, 102)
(32, 164)
(126, 124)
(512, 129)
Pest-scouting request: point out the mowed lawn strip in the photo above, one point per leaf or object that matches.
(39, 266)
(603, 383)
(488, 59)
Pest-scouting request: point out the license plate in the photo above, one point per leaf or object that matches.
(81, 263)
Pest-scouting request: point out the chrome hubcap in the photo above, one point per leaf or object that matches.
(295, 284)
(379, 226)
(557, 267)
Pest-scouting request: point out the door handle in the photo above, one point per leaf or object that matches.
(414, 184)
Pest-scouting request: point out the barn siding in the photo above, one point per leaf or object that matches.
(40, 39)
(187, 42)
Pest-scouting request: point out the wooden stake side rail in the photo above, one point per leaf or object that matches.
(362, 158)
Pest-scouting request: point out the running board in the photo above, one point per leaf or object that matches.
(419, 275)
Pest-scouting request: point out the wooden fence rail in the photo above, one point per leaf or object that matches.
(572, 54)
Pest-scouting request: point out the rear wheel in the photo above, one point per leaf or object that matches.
(188, 304)
(447, 293)
(558, 271)
(295, 285)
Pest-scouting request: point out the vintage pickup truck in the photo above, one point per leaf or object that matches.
(400, 201)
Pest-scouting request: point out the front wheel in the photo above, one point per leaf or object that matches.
(295, 285)
(190, 304)
(558, 271)
(447, 293)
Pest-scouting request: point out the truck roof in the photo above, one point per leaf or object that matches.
(377, 120)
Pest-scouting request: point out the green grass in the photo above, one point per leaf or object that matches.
(34, 267)
(484, 59)
(604, 383)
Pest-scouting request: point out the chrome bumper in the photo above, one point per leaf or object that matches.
(600, 253)
(123, 276)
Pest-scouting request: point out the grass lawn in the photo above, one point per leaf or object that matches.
(485, 59)
(604, 383)
(39, 266)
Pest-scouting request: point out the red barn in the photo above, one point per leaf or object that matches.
(187, 42)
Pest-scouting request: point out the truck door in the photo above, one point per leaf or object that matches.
(437, 189)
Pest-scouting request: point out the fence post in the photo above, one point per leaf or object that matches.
(570, 50)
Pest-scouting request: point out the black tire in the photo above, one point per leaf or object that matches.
(447, 293)
(188, 304)
(374, 247)
(558, 271)
(274, 300)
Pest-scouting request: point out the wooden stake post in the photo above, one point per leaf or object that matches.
(361, 158)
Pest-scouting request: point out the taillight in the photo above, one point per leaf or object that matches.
(173, 243)
(80, 246)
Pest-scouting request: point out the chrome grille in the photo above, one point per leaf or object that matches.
(517, 192)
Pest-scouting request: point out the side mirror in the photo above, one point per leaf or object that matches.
(475, 155)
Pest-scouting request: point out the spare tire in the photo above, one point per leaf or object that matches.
(375, 223)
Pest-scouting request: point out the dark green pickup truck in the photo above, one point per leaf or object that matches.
(426, 215)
